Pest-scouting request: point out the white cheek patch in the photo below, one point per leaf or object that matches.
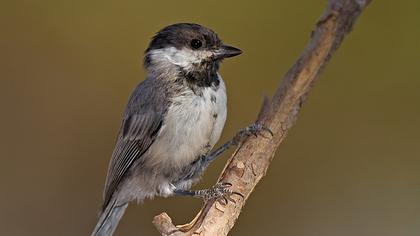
(184, 57)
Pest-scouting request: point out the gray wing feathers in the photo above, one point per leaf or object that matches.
(141, 123)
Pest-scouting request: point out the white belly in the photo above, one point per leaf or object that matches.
(191, 128)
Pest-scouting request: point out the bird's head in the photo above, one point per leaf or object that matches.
(188, 47)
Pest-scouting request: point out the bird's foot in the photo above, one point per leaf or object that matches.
(220, 192)
(255, 129)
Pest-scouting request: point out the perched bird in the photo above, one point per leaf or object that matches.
(171, 123)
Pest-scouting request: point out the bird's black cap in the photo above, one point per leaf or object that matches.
(182, 35)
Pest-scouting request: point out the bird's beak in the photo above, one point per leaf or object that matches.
(226, 51)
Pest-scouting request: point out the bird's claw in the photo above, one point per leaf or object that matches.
(255, 129)
(221, 192)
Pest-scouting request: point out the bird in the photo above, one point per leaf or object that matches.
(172, 121)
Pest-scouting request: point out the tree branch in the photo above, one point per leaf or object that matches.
(251, 160)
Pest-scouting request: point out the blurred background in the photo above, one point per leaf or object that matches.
(350, 166)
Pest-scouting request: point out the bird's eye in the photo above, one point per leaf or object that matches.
(196, 44)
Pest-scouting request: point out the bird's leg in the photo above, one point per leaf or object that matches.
(219, 192)
(254, 129)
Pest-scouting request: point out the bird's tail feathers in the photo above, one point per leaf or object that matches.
(109, 219)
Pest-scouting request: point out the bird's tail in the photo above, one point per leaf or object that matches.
(109, 219)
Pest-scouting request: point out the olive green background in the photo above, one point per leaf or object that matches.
(350, 166)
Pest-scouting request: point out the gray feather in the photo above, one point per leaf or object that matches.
(109, 219)
(142, 121)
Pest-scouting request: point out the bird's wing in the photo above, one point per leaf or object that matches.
(140, 126)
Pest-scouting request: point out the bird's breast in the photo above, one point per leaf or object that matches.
(192, 126)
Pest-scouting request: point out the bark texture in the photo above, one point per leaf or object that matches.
(251, 160)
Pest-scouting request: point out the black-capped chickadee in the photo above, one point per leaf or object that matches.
(171, 123)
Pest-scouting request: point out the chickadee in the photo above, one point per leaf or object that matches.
(171, 123)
